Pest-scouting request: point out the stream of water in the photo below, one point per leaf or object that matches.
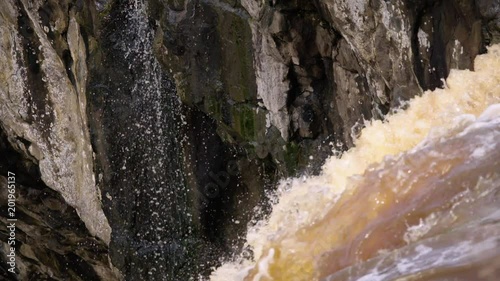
(153, 231)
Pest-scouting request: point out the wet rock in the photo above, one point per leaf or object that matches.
(44, 125)
(51, 240)
(44, 104)
(490, 13)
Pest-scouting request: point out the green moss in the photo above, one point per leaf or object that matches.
(213, 107)
(244, 121)
(248, 122)
(237, 60)
(291, 157)
(107, 9)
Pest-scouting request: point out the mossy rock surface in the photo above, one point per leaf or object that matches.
(249, 122)
(237, 59)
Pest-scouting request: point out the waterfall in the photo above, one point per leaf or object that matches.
(385, 209)
(143, 131)
(155, 121)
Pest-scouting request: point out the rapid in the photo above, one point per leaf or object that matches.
(416, 198)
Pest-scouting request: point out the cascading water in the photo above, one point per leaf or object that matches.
(417, 198)
(155, 123)
(153, 235)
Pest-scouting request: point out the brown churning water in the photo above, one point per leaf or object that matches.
(417, 198)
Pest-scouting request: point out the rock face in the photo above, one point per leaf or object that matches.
(305, 74)
(52, 242)
(45, 138)
(183, 113)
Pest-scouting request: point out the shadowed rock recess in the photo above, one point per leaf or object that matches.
(143, 133)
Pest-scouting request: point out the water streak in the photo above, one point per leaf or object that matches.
(142, 120)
